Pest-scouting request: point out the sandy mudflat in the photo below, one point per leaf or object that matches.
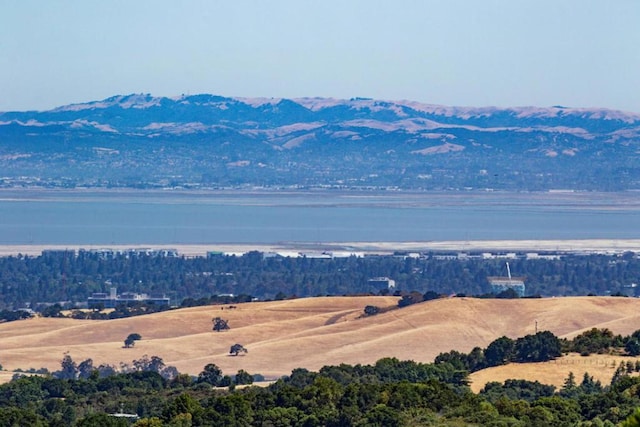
(586, 245)
(187, 250)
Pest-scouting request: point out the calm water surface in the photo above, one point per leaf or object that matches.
(42, 217)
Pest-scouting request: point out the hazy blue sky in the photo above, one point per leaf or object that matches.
(579, 53)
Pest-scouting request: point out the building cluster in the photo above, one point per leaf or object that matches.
(501, 284)
(113, 299)
(380, 283)
(108, 253)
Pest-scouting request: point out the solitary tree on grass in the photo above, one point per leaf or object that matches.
(219, 324)
(371, 310)
(130, 341)
(237, 348)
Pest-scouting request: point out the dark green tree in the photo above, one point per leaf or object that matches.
(411, 298)
(233, 410)
(570, 387)
(632, 346)
(516, 390)
(131, 339)
(279, 416)
(182, 405)
(430, 295)
(593, 341)
(237, 348)
(149, 364)
(243, 377)
(18, 417)
(219, 324)
(589, 385)
(476, 360)
(85, 368)
(540, 347)
(371, 310)
(566, 412)
(499, 351)
(211, 374)
(455, 358)
(54, 310)
(383, 416)
(69, 369)
(632, 420)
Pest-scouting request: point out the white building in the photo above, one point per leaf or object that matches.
(382, 283)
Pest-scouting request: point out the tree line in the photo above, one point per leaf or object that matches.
(66, 276)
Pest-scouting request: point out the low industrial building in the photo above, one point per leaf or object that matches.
(380, 283)
(113, 299)
(501, 284)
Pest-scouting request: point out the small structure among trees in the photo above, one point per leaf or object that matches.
(382, 283)
(237, 348)
(130, 341)
(219, 324)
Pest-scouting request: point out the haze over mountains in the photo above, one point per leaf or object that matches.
(207, 141)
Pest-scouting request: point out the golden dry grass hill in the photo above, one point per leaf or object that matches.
(313, 332)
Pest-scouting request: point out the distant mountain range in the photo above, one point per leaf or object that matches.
(207, 141)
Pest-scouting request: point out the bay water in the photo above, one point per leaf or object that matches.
(170, 217)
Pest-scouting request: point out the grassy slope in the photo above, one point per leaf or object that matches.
(600, 367)
(313, 332)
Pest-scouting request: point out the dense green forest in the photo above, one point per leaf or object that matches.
(67, 276)
(388, 393)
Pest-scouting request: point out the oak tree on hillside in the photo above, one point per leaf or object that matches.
(130, 341)
(371, 310)
(237, 348)
(219, 324)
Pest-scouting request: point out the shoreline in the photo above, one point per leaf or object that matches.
(567, 198)
(612, 246)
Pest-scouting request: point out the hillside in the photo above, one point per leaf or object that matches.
(600, 366)
(207, 141)
(309, 333)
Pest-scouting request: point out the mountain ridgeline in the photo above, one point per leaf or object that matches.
(213, 142)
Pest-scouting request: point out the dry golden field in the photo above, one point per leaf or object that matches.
(600, 366)
(313, 332)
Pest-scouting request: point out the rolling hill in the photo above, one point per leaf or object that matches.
(309, 332)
